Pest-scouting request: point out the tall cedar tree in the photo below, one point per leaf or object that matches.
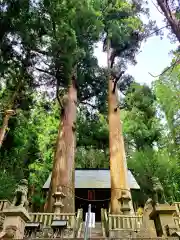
(72, 27)
(122, 40)
(16, 39)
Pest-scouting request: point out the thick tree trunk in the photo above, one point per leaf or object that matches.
(118, 167)
(171, 18)
(63, 168)
(4, 127)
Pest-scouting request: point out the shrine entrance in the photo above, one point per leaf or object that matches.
(98, 198)
(93, 186)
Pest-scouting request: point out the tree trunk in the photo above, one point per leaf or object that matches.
(171, 18)
(118, 167)
(30, 196)
(9, 113)
(4, 127)
(63, 168)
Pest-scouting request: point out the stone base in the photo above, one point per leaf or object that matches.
(147, 229)
(162, 215)
(16, 217)
(126, 234)
(68, 233)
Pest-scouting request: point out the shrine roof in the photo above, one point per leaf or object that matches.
(95, 178)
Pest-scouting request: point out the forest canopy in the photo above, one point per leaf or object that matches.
(46, 47)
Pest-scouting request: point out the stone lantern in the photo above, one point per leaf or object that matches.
(58, 205)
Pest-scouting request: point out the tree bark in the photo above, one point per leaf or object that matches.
(4, 127)
(63, 167)
(171, 18)
(9, 113)
(118, 165)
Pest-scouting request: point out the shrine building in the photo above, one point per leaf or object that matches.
(94, 186)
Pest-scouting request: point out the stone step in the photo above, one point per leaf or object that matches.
(95, 233)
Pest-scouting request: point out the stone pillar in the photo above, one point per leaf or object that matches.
(147, 229)
(15, 221)
(162, 214)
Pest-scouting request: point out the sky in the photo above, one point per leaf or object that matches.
(154, 54)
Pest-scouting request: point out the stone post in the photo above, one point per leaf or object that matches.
(16, 215)
(147, 229)
(15, 221)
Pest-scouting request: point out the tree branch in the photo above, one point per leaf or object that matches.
(43, 52)
(170, 67)
(157, 7)
(88, 96)
(86, 103)
(57, 96)
(44, 71)
(157, 30)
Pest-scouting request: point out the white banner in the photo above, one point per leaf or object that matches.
(91, 220)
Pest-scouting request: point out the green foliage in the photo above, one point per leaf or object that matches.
(141, 125)
(90, 157)
(8, 183)
(19, 134)
(28, 148)
(18, 150)
(41, 43)
(92, 140)
(167, 90)
(92, 130)
(148, 163)
(148, 152)
(45, 124)
(122, 29)
(69, 45)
